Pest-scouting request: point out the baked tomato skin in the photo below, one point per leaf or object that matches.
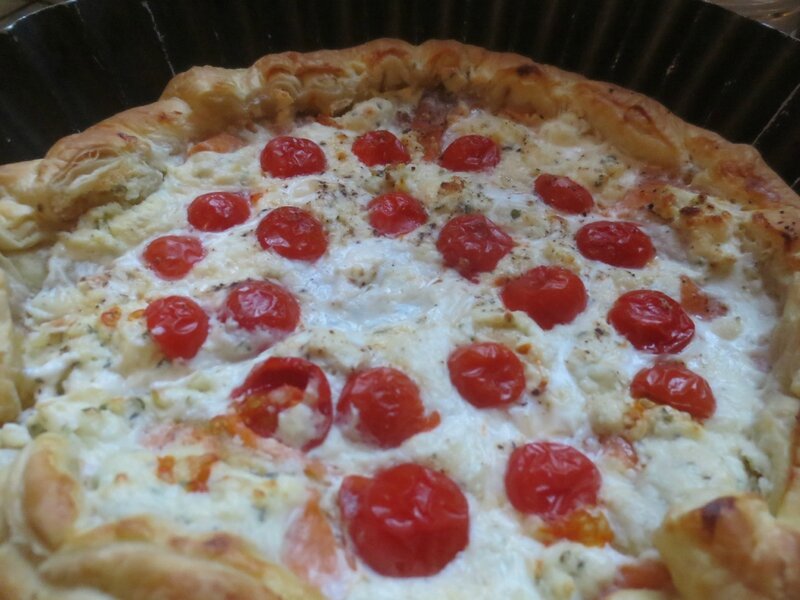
(672, 384)
(551, 480)
(547, 294)
(177, 325)
(292, 233)
(286, 156)
(563, 194)
(171, 257)
(487, 374)
(652, 322)
(472, 244)
(384, 407)
(470, 153)
(281, 383)
(218, 211)
(380, 147)
(406, 521)
(396, 213)
(699, 304)
(615, 243)
(262, 305)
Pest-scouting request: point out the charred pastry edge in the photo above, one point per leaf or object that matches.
(124, 159)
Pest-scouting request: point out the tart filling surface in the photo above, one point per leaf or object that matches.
(412, 345)
(165, 435)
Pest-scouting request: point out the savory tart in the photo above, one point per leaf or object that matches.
(398, 321)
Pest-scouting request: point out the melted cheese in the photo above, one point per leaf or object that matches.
(373, 301)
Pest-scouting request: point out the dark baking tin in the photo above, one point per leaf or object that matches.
(68, 66)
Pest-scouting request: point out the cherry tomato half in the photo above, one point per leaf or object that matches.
(178, 325)
(672, 384)
(384, 406)
(551, 480)
(549, 295)
(406, 521)
(293, 233)
(473, 244)
(470, 153)
(396, 213)
(277, 385)
(262, 305)
(287, 156)
(173, 256)
(486, 374)
(651, 322)
(616, 243)
(218, 211)
(380, 148)
(563, 194)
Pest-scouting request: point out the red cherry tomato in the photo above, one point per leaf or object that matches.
(218, 211)
(396, 213)
(486, 374)
(287, 156)
(470, 153)
(385, 406)
(262, 305)
(380, 148)
(173, 256)
(551, 480)
(279, 384)
(293, 233)
(407, 521)
(178, 325)
(549, 295)
(652, 322)
(616, 243)
(563, 194)
(473, 244)
(673, 384)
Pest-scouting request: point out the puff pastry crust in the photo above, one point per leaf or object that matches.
(738, 547)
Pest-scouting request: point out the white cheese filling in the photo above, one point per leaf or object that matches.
(375, 301)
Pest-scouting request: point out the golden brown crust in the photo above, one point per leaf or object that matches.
(42, 555)
(50, 495)
(636, 124)
(10, 371)
(42, 496)
(123, 160)
(156, 572)
(731, 548)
